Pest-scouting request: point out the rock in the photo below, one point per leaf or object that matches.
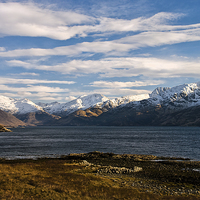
(118, 170)
(86, 163)
(137, 169)
(3, 129)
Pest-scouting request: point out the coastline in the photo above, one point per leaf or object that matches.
(156, 177)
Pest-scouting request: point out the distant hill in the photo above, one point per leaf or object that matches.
(8, 119)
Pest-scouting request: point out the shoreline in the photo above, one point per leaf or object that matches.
(152, 175)
(57, 156)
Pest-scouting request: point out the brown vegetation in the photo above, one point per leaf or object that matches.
(3, 129)
(93, 112)
(9, 120)
(71, 177)
(37, 118)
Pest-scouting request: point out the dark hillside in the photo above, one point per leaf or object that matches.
(8, 119)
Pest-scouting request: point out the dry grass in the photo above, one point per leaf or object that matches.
(60, 179)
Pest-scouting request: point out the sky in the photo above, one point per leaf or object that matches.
(60, 50)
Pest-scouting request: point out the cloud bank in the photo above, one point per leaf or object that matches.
(85, 46)
(121, 67)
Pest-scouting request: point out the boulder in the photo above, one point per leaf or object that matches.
(118, 170)
(3, 129)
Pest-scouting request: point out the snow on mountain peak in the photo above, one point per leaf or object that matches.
(82, 102)
(159, 91)
(183, 96)
(137, 97)
(126, 99)
(18, 106)
(186, 93)
(185, 88)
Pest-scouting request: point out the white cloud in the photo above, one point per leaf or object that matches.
(160, 38)
(117, 84)
(24, 94)
(117, 92)
(35, 93)
(48, 98)
(37, 96)
(122, 67)
(72, 50)
(154, 23)
(27, 74)
(2, 49)
(70, 98)
(28, 19)
(30, 81)
(18, 63)
(31, 88)
(117, 47)
(34, 14)
(121, 91)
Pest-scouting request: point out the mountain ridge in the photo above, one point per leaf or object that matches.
(24, 106)
(18, 106)
(158, 108)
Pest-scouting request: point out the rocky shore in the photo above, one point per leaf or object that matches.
(164, 176)
(100, 176)
(4, 129)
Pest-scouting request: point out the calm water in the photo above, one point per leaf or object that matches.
(52, 141)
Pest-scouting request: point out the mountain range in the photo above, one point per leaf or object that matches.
(176, 106)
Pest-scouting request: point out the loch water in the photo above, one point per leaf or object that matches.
(33, 142)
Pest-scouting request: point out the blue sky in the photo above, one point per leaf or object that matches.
(59, 50)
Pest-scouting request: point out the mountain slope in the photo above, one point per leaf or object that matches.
(186, 117)
(39, 118)
(8, 119)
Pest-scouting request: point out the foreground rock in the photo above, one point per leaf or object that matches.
(110, 169)
(166, 176)
(3, 129)
(118, 170)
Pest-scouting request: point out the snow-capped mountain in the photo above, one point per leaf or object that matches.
(185, 95)
(87, 101)
(127, 99)
(18, 106)
(82, 102)
(24, 106)
(156, 108)
(170, 99)
(176, 106)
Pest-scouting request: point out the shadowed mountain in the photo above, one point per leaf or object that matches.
(39, 118)
(186, 117)
(143, 115)
(8, 119)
